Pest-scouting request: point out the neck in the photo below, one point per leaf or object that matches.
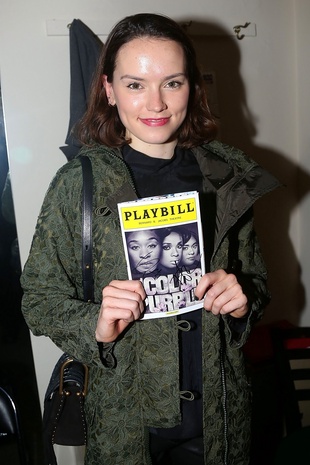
(163, 151)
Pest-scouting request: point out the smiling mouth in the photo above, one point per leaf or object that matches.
(155, 122)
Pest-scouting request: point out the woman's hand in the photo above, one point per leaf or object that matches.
(122, 303)
(222, 294)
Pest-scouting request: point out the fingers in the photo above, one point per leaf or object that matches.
(126, 295)
(122, 304)
(130, 285)
(222, 294)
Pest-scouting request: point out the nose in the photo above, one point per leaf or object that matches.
(174, 252)
(155, 101)
(144, 253)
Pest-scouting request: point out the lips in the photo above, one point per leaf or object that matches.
(155, 122)
(149, 263)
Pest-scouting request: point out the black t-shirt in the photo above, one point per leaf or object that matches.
(155, 176)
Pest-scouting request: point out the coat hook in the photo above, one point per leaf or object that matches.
(238, 28)
(185, 26)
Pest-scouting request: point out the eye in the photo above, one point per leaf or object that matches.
(134, 247)
(134, 86)
(166, 247)
(174, 84)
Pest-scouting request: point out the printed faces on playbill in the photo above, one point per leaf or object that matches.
(163, 245)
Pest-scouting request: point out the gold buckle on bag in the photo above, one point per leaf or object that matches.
(61, 381)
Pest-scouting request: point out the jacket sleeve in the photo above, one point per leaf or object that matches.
(244, 259)
(53, 303)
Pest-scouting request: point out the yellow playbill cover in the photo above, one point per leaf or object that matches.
(163, 244)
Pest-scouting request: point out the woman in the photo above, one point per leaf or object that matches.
(160, 389)
(191, 254)
(172, 248)
(144, 250)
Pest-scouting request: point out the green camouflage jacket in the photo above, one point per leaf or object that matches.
(142, 390)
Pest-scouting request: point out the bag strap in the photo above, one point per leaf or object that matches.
(88, 289)
(87, 201)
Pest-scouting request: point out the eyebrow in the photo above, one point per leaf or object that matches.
(136, 78)
(170, 243)
(151, 238)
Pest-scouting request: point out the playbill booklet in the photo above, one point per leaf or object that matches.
(163, 245)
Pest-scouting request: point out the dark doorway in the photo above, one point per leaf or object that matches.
(17, 373)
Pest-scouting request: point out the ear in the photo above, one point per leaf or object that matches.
(108, 90)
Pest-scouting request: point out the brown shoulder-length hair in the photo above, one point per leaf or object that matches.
(101, 123)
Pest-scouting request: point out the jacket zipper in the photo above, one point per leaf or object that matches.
(224, 391)
(126, 168)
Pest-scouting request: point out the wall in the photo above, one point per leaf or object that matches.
(303, 105)
(262, 97)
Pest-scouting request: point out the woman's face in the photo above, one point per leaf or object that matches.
(171, 250)
(190, 251)
(151, 91)
(144, 250)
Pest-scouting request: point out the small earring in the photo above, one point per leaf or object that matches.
(109, 102)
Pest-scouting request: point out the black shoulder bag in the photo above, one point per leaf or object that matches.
(63, 417)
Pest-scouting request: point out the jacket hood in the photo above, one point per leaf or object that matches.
(237, 180)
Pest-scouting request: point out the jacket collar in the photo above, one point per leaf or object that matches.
(237, 181)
